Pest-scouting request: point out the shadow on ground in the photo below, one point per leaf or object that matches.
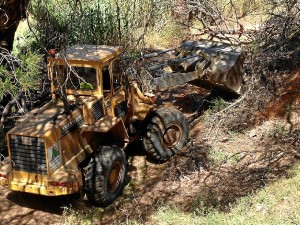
(23, 208)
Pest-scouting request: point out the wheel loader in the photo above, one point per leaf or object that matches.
(77, 142)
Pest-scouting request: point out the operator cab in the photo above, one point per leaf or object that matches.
(90, 74)
(86, 70)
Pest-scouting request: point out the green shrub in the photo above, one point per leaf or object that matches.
(60, 23)
(20, 74)
(218, 104)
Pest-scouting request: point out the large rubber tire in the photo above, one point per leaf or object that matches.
(105, 175)
(166, 134)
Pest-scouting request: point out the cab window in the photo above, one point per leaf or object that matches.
(116, 70)
(106, 79)
(113, 68)
(83, 78)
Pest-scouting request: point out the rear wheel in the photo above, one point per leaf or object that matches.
(105, 174)
(166, 134)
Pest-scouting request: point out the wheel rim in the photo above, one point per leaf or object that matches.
(114, 177)
(172, 135)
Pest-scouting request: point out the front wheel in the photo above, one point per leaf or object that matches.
(105, 175)
(166, 134)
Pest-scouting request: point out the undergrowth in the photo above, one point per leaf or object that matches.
(277, 203)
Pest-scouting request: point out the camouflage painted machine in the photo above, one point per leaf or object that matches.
(77, 141)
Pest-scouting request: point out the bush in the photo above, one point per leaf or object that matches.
(19, 74)
(60, 23)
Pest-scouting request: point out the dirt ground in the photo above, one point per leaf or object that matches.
(21, 208)
(177, 182)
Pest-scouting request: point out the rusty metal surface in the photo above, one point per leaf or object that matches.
(99, 53)
(209, 64)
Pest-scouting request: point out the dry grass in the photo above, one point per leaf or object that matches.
(278, 203)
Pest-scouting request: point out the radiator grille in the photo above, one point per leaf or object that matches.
(28, 154)
(98, 111)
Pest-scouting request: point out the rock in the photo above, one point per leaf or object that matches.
(252, 134)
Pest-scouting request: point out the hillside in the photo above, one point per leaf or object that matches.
(241, 162)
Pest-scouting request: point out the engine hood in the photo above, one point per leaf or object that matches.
(38, 122)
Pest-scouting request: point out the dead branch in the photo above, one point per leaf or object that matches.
(19, 102)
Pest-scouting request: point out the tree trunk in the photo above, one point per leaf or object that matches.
(11, 13)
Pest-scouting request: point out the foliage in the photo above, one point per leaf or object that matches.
(279, 38)
(19, 74)
(221, 19)
(218, 104)
(216, 156)
(25, 41)
(169, 36)
(60, 23)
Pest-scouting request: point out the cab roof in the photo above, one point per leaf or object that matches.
(98, 53)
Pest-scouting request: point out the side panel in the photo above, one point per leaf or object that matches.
(108, 129)
(70, 141)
